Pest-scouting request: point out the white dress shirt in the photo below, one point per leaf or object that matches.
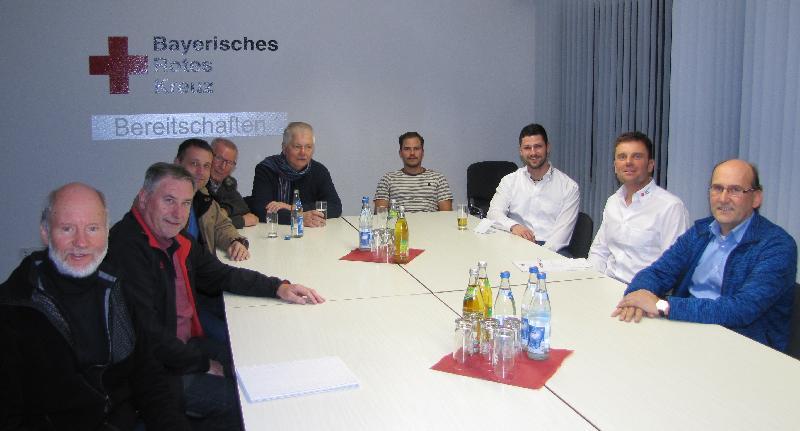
(631, 237)
(548, 207)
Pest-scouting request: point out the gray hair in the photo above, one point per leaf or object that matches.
(52, 197)
(158, 171)
(225, 142)
(288, 132)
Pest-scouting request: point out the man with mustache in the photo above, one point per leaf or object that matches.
(641, 220)
(537, 202)
(72, 352)
(736, 269)
(414, 187)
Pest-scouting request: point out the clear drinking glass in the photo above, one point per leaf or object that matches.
(461, 216)
(462, 346)
(322, 206)
(272, 225)
(504, 358)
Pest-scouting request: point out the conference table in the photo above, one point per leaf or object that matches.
(390, 323)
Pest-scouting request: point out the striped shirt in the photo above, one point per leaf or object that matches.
(421, 192)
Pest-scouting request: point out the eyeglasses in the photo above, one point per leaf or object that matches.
(225, 162)
(733, 191)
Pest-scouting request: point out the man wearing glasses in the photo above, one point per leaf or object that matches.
(735, 269)
(223, 187)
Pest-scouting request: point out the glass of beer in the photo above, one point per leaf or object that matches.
(461, 214)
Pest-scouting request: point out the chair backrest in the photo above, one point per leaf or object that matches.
(482, 181)
(581, 236)
(793, 349)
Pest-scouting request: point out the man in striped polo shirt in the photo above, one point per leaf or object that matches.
(414, 187)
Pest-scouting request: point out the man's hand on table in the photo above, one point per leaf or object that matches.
(636, 305)
(313, 218)
(237, 251)
(520, 230)
(299, 294)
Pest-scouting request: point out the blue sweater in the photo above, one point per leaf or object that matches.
(757, 285)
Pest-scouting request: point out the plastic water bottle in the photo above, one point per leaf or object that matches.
(504, 305)
(297, 215)
(539, 322)
(365, 225)
(526, 300)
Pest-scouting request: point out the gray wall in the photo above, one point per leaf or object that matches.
(459, 71)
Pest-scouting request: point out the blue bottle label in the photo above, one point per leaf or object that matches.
(363, 239)
(299, 225)
(535, 337)
(524, 330)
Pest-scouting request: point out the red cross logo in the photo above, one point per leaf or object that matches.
(117, 64)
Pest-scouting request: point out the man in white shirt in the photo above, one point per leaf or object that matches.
(537, 202)
(641, 220)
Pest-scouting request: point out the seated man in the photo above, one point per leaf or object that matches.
(278, 176)
(71, 354)
(207, 222)
(165, 270)
(414, 187)
(223, 187)
(537, 202)
(641, 220)
(735, 269)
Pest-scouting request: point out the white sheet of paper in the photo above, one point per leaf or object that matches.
(295, 378)
(553, 265)
(484, 226)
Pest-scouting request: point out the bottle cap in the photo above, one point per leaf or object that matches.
(534, 269)
(505, 274)
(541, 276)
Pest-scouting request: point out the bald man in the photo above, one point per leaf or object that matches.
(71, 355)
(736, 269)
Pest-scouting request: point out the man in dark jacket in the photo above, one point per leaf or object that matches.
(224, 187)
(71, 356)
(277, 176)
(165, 269)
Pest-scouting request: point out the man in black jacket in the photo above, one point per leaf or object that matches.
(71, 356)
(166, 269)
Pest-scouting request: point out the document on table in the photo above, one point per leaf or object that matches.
(553, 265)
(295, 378)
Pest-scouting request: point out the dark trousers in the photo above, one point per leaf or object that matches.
(212, 402)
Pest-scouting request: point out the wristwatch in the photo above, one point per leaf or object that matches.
(663, 308)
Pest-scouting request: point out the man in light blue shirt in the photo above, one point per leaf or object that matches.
(736, 269)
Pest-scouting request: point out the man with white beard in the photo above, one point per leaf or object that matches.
(70, 353)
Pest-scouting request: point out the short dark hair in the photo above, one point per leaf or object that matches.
(193, 142)
(409, 135)
(158, 171)
(533, 129)
(637, 137)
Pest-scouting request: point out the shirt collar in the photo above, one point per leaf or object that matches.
(736, 234)
(641, 195)
(545, 178)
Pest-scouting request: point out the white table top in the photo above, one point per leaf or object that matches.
(383, 321)
(389, 344)
(661, 374)
(450, 253)
(314, 262)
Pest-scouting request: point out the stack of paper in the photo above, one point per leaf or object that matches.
(295, 378)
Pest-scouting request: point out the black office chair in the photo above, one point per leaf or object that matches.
(581, 236)
(482, 181)
(793, 349)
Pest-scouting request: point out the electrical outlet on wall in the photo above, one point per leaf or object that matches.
(27, 251)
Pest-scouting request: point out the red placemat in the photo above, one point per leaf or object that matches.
(368, 256)
(527, 372)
